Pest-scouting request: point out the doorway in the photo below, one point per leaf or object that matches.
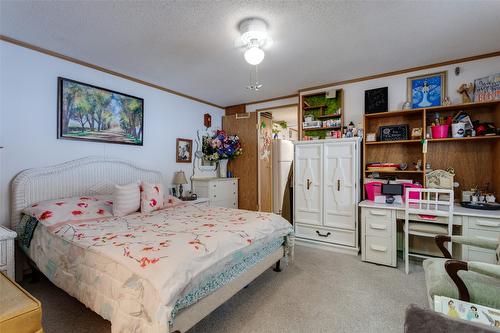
(277, 129)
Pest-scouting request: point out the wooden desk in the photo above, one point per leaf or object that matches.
(379, 239)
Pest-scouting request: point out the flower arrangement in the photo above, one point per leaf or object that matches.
(221, 146)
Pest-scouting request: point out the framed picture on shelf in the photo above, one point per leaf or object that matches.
(376, 100)
(487, 88)
(184, 150)
(427, 90)
(91, 113)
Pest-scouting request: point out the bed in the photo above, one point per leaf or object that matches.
(158, 272)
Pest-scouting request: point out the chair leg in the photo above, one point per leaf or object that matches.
(406, 251)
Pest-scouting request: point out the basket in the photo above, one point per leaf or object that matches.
(440, 131)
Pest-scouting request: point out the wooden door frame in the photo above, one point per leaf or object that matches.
(259, 111)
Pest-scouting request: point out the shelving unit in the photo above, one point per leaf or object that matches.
(322, 108)
(476, 160)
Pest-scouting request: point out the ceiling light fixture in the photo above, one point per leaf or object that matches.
(254, 38)
(254, 55)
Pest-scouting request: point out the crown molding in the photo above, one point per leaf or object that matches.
(102, 69)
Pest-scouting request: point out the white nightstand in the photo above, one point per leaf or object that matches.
(7, 237)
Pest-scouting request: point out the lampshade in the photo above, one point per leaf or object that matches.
(254, 55)
(180, 178)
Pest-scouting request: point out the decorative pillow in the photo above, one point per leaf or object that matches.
(51, 212)
(126, 199)
(152, 197)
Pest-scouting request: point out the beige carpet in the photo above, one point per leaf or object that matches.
(321, 292)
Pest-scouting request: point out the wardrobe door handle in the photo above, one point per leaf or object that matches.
(309, 182)
(378, 248)
(338, 185)
(323, 235)
(378, 226)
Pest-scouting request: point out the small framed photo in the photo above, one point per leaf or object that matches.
(427, 90)
(416, 133)
(371, 137)
(184, 150)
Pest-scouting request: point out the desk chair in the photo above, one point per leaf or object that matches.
(428, 216)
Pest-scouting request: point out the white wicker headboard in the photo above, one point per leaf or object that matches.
(85, 176)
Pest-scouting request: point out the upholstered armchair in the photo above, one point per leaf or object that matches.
(472, 281)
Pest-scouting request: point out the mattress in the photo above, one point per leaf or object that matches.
(140, 270)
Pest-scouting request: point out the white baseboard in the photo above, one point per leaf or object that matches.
(327, 246)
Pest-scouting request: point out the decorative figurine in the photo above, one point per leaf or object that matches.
(446, 101)
(466, 90)
(428, 167)
(350, 130)
(418, 165)
(406, 106)
(403, 166)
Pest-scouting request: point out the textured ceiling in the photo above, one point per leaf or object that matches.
(188, 46)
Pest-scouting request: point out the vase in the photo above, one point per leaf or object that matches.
(223, 168)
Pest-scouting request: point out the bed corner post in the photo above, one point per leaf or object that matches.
(277, 267)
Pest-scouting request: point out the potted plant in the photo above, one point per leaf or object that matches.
(221, 148)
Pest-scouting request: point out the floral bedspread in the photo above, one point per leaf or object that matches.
(143, 263)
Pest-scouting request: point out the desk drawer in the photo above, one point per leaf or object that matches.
(480, 234)
(334, 236)
(377, 228)
(487, 256)
(379, 250)
(484, 223)
(377, 214)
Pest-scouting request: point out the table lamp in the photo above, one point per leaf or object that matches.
(180, 179)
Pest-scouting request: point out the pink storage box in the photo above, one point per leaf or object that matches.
(413, 195)
(373, 189)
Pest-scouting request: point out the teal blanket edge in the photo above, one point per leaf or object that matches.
(215, 282)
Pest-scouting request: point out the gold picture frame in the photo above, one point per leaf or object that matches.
(427, 90)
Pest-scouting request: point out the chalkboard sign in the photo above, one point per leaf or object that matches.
(393, 132)
(376, 100)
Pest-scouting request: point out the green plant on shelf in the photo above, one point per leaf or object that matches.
(331, 105)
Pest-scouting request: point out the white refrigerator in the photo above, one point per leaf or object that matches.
(282, 163)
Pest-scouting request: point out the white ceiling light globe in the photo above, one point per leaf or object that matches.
(254, 55)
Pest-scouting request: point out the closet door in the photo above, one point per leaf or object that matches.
(340, 185)
(308, 183)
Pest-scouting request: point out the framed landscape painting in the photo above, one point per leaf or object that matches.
(90, 113)
(426, 90)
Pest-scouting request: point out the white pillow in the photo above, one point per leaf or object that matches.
(126, 199)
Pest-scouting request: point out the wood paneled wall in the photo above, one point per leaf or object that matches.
(244, 167)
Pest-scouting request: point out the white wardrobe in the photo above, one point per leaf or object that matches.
(326, 193)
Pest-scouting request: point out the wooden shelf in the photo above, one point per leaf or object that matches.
(314, 107)
(454, 107)
(323, 128)
(396, 171)
(469, 138)
(392, 142)
(327, 116)
(394, 113)
(464, 106)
